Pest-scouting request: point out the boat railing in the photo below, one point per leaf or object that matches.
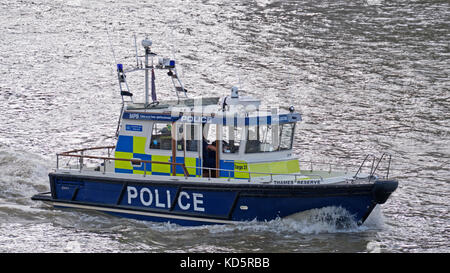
(330, 167)
(311, 166)
(374, 167)
(227, 173)
(210, 172)
(253, 175)
(81, 156)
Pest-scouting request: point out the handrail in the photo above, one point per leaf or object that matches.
(330, 165)
(376, 167)
(186, 172)
(362, 164)
(87, 149)
(359, 167)
(82, 156)
(185, 169)
(249, 172)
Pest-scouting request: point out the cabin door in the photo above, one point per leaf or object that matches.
(211, 145)
(188, 148)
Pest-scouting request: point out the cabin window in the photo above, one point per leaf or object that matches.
(161, 136)
(209, 133)
(269, 138)
(231, 139)
(286, 136)
(187, 134)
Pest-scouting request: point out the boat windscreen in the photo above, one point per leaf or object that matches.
(269, 138)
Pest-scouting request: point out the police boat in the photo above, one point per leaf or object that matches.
(196, 161)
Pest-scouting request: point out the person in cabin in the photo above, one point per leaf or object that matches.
(209, 157)
(166, 137)
(166, 131)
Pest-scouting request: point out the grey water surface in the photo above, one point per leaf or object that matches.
(368, 76)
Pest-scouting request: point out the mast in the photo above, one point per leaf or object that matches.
(146, 44)
(162, 63)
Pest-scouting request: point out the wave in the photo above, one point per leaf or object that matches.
(22, 174)
(315, 221)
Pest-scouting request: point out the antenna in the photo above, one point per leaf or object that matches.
(120, 72)
(135, 47)
(173, 73)
(146, 43)
(241, 81)
(110, 45)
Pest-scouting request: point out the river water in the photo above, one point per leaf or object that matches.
(368, 76)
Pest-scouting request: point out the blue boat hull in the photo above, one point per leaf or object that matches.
(200, 203)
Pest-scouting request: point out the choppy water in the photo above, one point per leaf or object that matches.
(368, 76)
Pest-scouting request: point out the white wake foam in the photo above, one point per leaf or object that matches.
(22, 174)
(315, 221)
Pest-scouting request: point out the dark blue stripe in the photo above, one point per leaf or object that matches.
(284, 118)
(118, 170)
